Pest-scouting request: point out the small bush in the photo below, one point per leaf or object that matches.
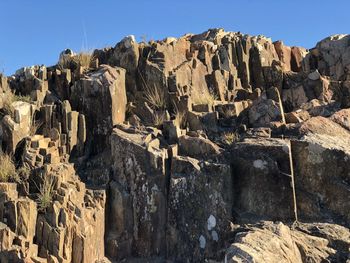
(7, 168)
(23, 172)
(45, 193)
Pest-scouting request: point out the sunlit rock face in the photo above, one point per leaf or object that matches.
(215, 147)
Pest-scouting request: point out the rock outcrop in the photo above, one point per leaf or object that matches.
(216, 147)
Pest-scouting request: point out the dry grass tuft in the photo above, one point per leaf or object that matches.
(82, 59)
(7, 168)
(229, 138)
(228, 112)
(207, 97)
(45, 193)
(7, 108)
(180, 118)
(155, 97)
(158, 118)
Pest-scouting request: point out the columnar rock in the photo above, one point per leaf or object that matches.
(16, 127)
(262, 180)
(199, 209)
(137, 212)
(101, 97)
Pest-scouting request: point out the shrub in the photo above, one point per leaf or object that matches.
(7, 168)
(23, 172)
(228, 112)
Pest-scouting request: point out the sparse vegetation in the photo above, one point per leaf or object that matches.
(10, 98)
(229, 138)
(206, 97)
(82, 59)
(34, 128)
(158, 118)
(180, 118)
(228, 112)
(7, 168)
(155, 97)
(45, 193)
(23, 172)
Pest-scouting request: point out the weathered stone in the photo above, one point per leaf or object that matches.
(262, 179)
(276, 242)
(101, 97)
(141, 183)
(197, 147)
(199, 209)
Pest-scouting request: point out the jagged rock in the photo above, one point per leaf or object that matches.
(331, 57)
(220, 97)
(265, 111)
(342, 117)
(15, 128)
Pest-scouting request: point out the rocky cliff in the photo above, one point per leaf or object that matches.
(217, 147)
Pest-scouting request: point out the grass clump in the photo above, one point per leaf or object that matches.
(45, 195)
(7, 168)
(10, 98)
(180, 118)
(155, 97)
(229, 138)
(228, 113)
(206, 97)
(158, 118)
(82, 59)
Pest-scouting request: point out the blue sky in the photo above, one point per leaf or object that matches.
(36, 31)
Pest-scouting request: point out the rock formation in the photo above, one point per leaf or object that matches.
(217, 147)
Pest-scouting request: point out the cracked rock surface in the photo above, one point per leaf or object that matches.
(215, 147)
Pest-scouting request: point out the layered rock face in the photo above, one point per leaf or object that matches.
(217, 147)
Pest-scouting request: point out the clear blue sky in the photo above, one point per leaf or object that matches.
(36, 31)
